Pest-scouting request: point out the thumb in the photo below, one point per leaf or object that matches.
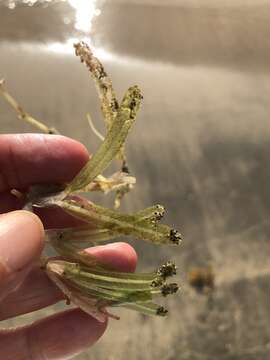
(21, 242)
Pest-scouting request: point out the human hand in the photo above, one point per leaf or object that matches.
(24, 160)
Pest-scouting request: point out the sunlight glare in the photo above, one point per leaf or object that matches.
(85, 12)
(67, 48)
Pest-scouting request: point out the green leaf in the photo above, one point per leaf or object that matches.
(112, 144)
(121, 223)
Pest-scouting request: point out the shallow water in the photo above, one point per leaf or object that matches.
(199, 147)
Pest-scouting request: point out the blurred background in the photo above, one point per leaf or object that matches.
(199, 147)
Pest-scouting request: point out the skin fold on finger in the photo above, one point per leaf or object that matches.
(37, 291)
(60, 336)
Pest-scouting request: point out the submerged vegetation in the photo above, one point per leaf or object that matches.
(85, 281)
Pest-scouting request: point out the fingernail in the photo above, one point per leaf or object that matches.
(21, 240)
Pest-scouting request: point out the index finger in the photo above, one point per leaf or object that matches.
(27, 159)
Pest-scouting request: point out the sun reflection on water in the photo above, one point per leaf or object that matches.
(86, 10)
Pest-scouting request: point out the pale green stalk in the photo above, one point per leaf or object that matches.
(112, 144)
(158, 233)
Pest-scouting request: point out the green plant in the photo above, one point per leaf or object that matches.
(86, 282)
